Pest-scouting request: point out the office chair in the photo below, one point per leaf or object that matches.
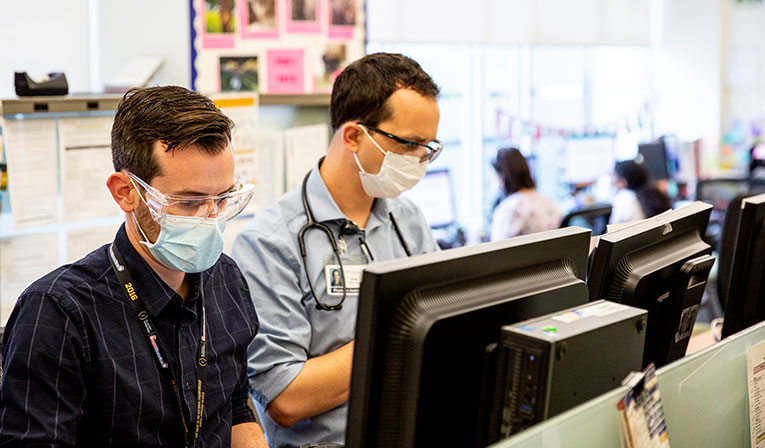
(719, 192)
(593, 216)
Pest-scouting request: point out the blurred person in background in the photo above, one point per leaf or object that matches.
(636, 197)
(523, 209)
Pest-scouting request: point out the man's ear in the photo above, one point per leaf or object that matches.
(352, 135)
(123, 192)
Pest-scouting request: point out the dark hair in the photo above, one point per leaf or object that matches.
(512, 167)
(652, 200)
(633, 173)
(362, 89)
(173, 115)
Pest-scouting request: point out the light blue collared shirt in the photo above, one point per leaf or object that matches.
(292, 329)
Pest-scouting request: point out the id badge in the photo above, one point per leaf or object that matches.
(353, 266)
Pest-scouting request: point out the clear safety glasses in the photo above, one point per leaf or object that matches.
(222, 207)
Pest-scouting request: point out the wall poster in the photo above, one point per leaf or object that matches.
(273, 46)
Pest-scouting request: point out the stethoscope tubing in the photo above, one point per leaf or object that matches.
(312, 224)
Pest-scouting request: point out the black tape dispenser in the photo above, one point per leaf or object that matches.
(55, 85)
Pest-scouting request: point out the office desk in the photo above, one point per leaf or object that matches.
(704, 396)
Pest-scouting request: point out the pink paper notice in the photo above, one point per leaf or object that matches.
(285, 71)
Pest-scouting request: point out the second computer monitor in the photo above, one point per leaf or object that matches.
(746, 282)
(659, 264)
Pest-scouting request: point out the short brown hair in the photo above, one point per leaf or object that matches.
(173, 115)
(362, 89)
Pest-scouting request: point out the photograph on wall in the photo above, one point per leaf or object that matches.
(259, 18)
(218, 24)
(238, 73)
(331, 61)
(342, 18)
(343, 12)
(219, 17)
(303, 16)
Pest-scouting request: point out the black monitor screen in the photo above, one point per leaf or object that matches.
(422, 368)
(661, 265)
(654, 157)
(746, 288)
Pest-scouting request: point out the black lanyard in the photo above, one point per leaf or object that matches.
(149, 330)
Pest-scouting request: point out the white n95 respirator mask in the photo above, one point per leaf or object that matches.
(398, 173)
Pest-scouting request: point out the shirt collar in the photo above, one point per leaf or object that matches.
(153, 291)
(325, 208)
(322, 204)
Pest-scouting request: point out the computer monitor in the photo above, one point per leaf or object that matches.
(423, 370)
(745, 304)
(434, 195)
(653, 156)
(719, 192)
(585, 159)
(661, 265)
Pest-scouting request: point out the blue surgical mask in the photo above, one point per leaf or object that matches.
(186, 243)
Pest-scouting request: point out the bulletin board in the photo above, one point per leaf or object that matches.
(274, 46)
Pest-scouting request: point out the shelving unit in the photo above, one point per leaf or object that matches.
(109, 102)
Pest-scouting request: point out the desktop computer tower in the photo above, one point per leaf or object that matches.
(552, 363)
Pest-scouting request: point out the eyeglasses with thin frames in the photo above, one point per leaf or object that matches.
(434, 147)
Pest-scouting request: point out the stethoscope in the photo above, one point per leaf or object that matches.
(348, 229)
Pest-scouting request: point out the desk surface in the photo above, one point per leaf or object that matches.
(701, 341)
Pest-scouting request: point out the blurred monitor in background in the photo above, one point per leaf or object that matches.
(434, 195)
(587, 158)
(653, 156)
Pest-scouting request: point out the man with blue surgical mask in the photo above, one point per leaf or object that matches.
(144, 341)
(346, 214)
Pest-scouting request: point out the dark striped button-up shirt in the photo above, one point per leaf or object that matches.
(77, 369)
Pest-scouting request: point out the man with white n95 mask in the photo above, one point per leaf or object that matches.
(143, 342)
(303, 256)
